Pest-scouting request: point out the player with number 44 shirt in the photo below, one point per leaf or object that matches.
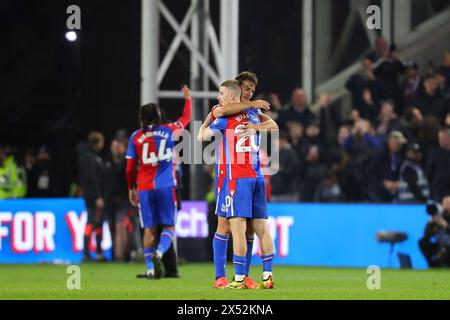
(152, 190)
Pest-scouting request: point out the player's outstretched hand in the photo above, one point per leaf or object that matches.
(261, 104)
(186, 92)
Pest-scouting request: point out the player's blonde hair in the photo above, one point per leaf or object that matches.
(233, 86)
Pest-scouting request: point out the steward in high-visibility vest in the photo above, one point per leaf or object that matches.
(12, 178)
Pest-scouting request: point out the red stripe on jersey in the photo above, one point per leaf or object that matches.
(232, 187)
(240, 163)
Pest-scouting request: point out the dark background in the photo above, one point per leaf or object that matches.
(54, 91)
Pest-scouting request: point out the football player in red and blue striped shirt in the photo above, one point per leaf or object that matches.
(151, 151)
(240, 185)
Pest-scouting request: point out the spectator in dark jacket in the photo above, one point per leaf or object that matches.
(314, 165)
(361, 82)
(438, 167)
(369, 109)
(117, 207)
(411, 84)
(46, 180)
(411, 124)
(384, 169)
(430, 100)
(297, 111)
(429, 135)
(380, 50)
(283, 183)
(388, 68)
(330, 118)
(387, 119)
(91, 171)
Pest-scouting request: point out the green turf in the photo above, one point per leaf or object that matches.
(117, 281)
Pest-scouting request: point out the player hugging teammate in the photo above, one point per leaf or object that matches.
(240, 187)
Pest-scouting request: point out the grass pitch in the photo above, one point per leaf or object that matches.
(117, 281)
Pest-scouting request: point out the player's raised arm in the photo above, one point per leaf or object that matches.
(238, 107)
(186, 117)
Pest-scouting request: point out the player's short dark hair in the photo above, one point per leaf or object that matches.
(95, 137)
(247, 76)
(149, 114)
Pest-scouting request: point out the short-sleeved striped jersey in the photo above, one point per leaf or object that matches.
(153, 150)
(238, 157)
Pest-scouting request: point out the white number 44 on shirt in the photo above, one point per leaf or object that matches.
(163, 154)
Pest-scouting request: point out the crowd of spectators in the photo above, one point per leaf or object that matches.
(393, 146)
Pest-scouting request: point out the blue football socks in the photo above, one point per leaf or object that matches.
(220, 244)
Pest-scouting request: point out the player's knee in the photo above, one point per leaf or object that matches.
(224, 230)
(150, 232)
(223, 227)
(260, 235)
(255, 228)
